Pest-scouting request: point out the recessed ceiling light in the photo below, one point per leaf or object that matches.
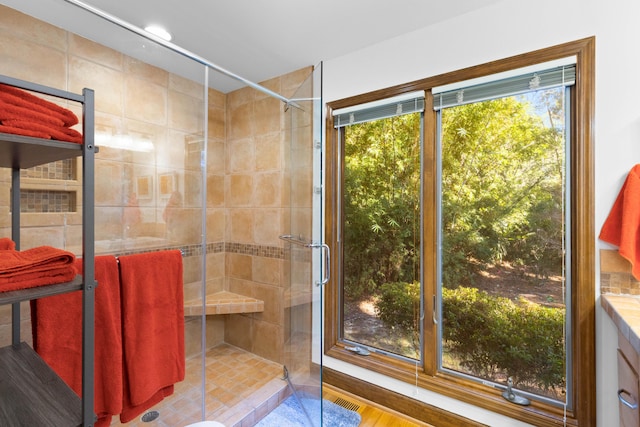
(158, 31)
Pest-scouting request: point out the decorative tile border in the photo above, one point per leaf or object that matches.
(43, 201)
(218, 247)
(255, 250)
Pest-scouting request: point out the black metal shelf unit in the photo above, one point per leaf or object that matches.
(32, 393)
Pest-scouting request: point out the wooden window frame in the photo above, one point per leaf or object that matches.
(583, 412)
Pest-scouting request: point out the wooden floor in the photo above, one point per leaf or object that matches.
(373, 415)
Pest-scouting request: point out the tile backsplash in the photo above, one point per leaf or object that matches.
(615, 274)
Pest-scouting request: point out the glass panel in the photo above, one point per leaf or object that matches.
(149, 129)
(503, 224)
(381, 235)
(303, 303)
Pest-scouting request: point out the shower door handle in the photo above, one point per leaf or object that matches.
(326, 261)
(327, 264)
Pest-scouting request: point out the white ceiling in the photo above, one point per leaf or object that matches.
(254, 39)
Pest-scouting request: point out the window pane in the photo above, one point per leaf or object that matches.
(381, 235)
(503, 233)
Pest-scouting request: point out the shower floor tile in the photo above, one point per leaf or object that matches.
(239, 386)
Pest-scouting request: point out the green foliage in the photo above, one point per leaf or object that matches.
(491, 337)
(502, 180)
(399, 305)
(381, 203)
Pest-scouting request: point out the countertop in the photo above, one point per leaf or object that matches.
(624, 310)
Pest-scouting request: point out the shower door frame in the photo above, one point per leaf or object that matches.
(307, 254)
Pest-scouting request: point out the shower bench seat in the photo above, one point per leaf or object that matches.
(223, 303)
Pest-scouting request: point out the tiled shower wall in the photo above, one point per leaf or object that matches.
(247, 198)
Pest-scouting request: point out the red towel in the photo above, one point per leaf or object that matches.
(7, 244)
(15, 96)
(42, 265)
(622, 226)
(152, 328)
(57, 337)
(14, 112)
(24, 132)
(23, 113)
(53, 132)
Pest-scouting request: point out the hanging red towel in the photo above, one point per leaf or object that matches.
(152, 328)
(622, 226)
(57, 337)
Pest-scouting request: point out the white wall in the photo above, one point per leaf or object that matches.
(505, 29)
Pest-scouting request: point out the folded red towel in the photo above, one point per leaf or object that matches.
(622, 226)
(54, 132)
(41, 278)
(34, 267)
(24, 132)
(38, 259)
(22, 98)
(152, 328)
(7, 244)
(13, 112)
(57, 337)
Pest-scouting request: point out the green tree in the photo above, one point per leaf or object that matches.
(381, 203)
(501, 179)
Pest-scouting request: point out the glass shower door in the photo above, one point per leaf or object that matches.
(307, 254)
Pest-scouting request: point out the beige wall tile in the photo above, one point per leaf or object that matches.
(32, 62)
(273, 304)
(238, 266)
(186, 86)
(267, 113)
(267, 271)
(239, 225)
(239, 97)
(267, 189)
(27, 28)
(192, 336)
(215, 330)
(268, 341)
(215, 191)
(269, 152)
(612, 262)
(238, 331)
(87, 49)
(292, 81)
(215, 225)
(216, 284)
(186, 112)
(216, 158)
(240, 121)
(145, 101)
(240, 191)
(240, 287)
(240, 156)
(217, 118)
(268, 226)
(107, 83)
(215, 268)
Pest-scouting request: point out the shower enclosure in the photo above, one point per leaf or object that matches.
(219, 176)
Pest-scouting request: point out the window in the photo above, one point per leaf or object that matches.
(380, 227)
(463, 234)
(505, 257)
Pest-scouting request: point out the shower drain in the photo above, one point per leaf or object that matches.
(150, 416)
